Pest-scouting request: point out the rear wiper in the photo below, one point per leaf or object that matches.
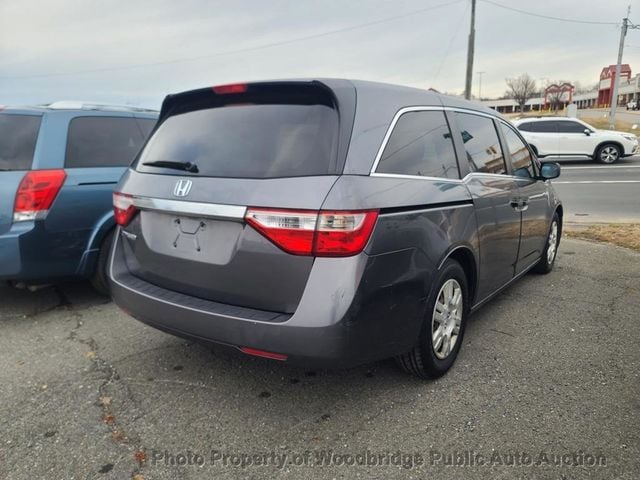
(186, 166)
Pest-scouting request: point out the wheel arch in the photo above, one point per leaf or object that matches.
(463, 254)
(608, 142)
(101, 229)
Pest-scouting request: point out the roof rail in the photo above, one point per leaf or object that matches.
(74, 105)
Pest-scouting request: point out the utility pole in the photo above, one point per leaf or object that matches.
(480, 84)
(472, 38)
(616, 80)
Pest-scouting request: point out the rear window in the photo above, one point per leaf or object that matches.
(248, 141)
(18, 135)
(420, 145)
(105, 141)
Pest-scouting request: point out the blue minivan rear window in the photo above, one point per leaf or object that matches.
(18, 135)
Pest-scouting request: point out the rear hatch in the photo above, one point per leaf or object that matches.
(18, 136)
(269, 145)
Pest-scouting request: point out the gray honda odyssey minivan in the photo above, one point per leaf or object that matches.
(329, 222)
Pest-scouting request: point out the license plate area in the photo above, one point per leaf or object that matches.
(190, 238)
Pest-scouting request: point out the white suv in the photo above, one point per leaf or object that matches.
(561, 136)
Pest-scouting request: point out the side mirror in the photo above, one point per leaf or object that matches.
(550, 170)
(587, 132)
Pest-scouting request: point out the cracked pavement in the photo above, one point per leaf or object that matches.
(550, 365)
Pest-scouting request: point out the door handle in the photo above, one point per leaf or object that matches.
(519, 204)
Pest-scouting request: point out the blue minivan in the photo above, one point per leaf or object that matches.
(58, 166)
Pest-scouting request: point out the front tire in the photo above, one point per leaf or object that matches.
(443, 329)
(100, 280)
(550, 252)
(608, 153)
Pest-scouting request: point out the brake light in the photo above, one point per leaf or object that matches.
(320, 234)
(36, 193)
(123, 208)
(230, 89)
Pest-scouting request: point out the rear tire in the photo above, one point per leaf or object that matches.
(100, 280)
(608, 153)
(550, 252)
(444, 324)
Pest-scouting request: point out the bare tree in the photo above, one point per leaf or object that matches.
(521, 89)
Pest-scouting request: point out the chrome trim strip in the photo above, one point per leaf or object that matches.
(193, 209)
(473, 112)
(422, 210)
(414, 177)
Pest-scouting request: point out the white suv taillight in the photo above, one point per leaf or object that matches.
(320, 234)
(36, 193)
(123, 208)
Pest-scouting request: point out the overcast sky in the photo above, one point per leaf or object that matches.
(135, 52)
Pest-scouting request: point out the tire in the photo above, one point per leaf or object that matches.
(608, 153)
(99, 280)
(550, 252)
(426, 360)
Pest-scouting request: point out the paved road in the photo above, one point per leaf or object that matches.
(551, 366)
(594, 193)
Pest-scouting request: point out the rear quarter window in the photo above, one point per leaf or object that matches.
(18, 136)
(420, 145)
(104, 141)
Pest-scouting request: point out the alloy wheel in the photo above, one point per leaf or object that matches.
(552, 242)
(609, 154)
(447, 318)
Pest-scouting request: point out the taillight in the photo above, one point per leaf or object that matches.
(229, 89)
(321, 234)
(36, 192)
(123, 208)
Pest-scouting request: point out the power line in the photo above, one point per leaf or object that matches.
(239, 50)
(456, 31)
(548, 17)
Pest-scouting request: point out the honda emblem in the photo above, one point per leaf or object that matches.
(182, 188)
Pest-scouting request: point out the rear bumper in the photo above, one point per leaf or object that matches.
(350, 313)
(31, 253)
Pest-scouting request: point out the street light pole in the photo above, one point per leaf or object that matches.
(480, 85)
(616, 79)
(470, 48)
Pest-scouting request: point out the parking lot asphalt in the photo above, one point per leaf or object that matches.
(548, 373)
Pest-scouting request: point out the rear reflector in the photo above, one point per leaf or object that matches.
(123, 208)
(320, 234)
(230, 89)
(263, 353)
(36, 193)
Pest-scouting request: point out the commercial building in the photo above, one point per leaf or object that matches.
(628, 89)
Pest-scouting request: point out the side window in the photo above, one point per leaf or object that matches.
(521, 160)
(570, 127)
(544, 127)
(526, 127)
(421, 145)
(102, 142)
(481, 143)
